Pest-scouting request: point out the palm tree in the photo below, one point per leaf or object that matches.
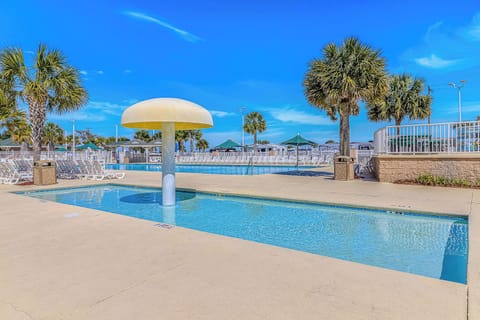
(346, 75)
(86, 136)
(202, 144)
(69, 140)
(404, 99)
(192, 136)
(20, 132)
(52, 134)
(11, 117)
(110, 140)
(180, 137)
(8, 103)
(157, 135)
(142, 135)
(100, 141)
(49, 85)
(254, 123)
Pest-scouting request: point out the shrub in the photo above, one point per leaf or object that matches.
(429, 179)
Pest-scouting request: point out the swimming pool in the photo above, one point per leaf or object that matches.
(211, 169)
(433, 246)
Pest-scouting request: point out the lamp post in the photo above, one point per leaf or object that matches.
(242, 110)
(459, 89)
(73, 139)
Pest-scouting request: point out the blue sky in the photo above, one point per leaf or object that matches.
(227, 54)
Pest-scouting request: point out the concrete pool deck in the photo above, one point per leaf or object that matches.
(64, 262)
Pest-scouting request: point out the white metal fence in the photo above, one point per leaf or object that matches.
(281, 158)
(102, 155)
(449, 137)
(310, 157)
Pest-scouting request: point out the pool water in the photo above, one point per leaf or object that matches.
(211, 169)
(428, 245)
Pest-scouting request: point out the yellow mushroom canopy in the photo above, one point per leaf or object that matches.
(152, 113)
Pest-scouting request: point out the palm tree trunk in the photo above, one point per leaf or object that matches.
(37, 122)
(345, 134)
(397, 124)
(191, 143)
(255, 142)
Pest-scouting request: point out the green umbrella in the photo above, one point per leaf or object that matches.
(229, 144)
(88, 146)
(60, 149)
(297, 141)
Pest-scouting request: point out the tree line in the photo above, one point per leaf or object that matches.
(352, 73)
(338, 82)
(194, 137)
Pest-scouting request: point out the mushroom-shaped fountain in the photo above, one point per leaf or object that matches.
(167, 115)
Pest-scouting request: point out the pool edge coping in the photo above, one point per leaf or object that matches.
(261, 197)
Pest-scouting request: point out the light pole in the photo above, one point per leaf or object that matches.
(242, 110)
(73, 139)
(459, 89)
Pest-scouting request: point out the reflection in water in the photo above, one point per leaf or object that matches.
(154, 197)
(168, 213)
(144, 197)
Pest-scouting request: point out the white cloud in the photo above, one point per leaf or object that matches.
(100, 72)
(130, 101)
(435, 62)
(445, 45)
(254, 83)
(221, 114)
(288, 114)
(182, 33)
(106, 107)
(431, 29)
(474, 29)
(271, 133)
(127, 71)
(469, 107)
(215, 138)
(81, 115)
(93, 111)
(83, 72)
(29, 52)
(320, 136)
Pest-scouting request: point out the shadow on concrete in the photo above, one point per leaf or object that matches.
(307, 173)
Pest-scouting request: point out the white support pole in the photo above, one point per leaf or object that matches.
(460, 104)
(73, 139)
(168, 164)
(297, 157)
(169, 215)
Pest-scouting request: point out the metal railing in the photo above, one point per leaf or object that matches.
(286, 158)
(102, 155)
(449, 137)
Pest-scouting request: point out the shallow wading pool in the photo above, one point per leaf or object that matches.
(428, 245)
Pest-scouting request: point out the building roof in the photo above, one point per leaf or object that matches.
(9, 143)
